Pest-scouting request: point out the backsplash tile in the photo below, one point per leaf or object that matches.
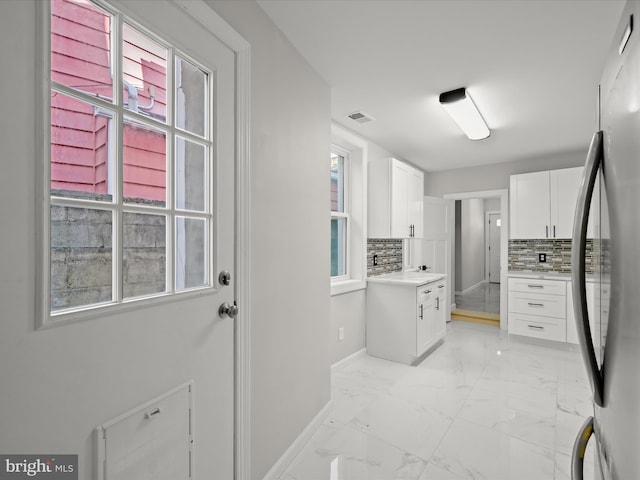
(389, 252)
(523, 255)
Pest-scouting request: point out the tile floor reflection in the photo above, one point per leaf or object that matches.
(484, 297)
(482, 406)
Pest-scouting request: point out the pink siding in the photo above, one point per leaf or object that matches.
(80, 58)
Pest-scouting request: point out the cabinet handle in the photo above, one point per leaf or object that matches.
(438, 303)
(421, 311)
(554, 231)
(440, 286)
(535, 286)
(536, 327)
(427, 292)
(546, 231)
(535, 304)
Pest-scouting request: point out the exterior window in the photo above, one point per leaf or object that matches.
(339, 212)
(129, 165)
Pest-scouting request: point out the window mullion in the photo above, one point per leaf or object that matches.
(117, 63)
(171, 175)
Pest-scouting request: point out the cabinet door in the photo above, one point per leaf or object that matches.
(425, 318)
(564, 185)
(572, 332)
(529, 205)
(440, 307)
(399, 200)
(415, 201)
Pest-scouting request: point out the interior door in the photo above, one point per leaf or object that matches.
(493, 247)
(191, 341)
(140, 348)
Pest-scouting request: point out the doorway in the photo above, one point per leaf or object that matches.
(475, 296)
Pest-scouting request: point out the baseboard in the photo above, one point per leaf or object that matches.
(347, 360)
(278, 468)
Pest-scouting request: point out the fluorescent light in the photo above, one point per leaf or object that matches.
(464, 112)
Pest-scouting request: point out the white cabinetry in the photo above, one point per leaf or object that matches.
(572, 332)
(537, 308)
(542, 204)
(395, 193)
(405, 321)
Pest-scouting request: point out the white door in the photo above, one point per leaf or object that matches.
(137, 350)
(563, 185)
(529, 205)
(493, 247)
(399, 200)
(193, 342)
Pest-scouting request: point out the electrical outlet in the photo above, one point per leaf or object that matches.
(340, 334)
(542, 257)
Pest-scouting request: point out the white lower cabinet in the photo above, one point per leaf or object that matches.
(404, 322)
(572, 332)
(538, 308)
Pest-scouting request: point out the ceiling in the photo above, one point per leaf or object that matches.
(531, 66)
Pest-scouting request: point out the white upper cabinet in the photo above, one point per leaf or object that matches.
(542, 204)
(395, 200)
(565, 185)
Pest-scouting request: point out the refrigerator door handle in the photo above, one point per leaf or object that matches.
(578, 277)
(579, 449)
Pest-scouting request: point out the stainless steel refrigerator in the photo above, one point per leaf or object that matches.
(610, 198)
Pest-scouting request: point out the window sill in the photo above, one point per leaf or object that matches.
(339, 287)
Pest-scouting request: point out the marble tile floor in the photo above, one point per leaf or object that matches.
(482, 406)
(484, 297)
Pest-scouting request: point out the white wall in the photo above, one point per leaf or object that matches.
(496, 177)
(290, 143)
(45, 377)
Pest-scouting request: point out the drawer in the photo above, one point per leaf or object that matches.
(534, 285)
(545, 328)
(538, 304)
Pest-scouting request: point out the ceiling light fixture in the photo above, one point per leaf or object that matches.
(464, 112)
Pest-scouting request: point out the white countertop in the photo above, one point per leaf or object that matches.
(407, 278)
(539, 275)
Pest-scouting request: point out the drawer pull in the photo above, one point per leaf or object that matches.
(536, 327)
(535, 304)
(535, 286)
(152, 413)
(440, 286)
(427, 292)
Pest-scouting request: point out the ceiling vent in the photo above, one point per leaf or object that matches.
(361, 117)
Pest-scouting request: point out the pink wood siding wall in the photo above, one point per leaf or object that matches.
(81, 58)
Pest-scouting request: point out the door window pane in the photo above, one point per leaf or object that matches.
(191, 96)
(338, 246)
(337, 183)
(144, 171)
(80, 149)
(191, 178)
(81, 47)
(81, 254)
(191, 259)
(144, 74)
(144, 254)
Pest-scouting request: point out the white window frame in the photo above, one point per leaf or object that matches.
(45, 317)
(346, 208)
(356, 189)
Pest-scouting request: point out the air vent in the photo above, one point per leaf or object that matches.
(361, 117)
